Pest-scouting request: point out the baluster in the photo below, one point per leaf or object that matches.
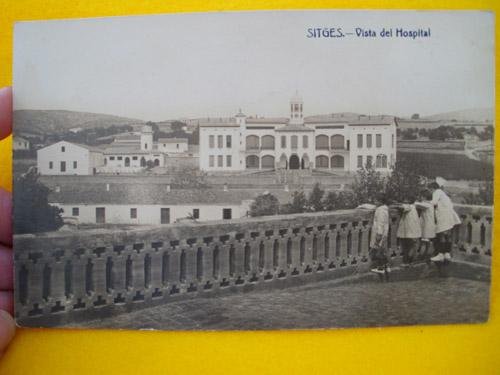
(268, 271)
(58, 282)
(100, 295)
(190, 259)
(119, 257)
(157, 287)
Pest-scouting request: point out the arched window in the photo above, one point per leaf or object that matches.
(337, 161)
(322, 161)
(294, 141)
(252, 162)
(143, 162)
(252, 142)
(157, 162)
(337, 142)
(321, 142)
(127, 161)
(267, 142)
(267, 161)
(384, 161)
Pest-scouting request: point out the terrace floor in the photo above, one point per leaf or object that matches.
(358, 302)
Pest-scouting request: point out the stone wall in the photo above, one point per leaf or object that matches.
(61, 277)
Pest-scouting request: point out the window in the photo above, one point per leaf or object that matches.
(145, 147)
(268, 161)
(227, 213)
(283, 141)
(196, 213)
(211, 141)
(321, 161)
(120, 157)
(252, 142)
(369, 161)
(392, 141)
(228, 141)
(228, 161)
(51, 165)
(305, 141)
(111, 158)
(177, 146)
(252, 161)
(337, 161)
(219, 160)
(369, 140)
(322, 142)
(337, 142)
(268, 142)
(133, 213)
(134, 157)
(360, 140)
(75, 165)
(63, 149)
(100, 215)
(360, 161)
(165, 215)
(75, 211)
(295, 141)
(211, 161)
(220, 141)
(63, 166)
(379, 140)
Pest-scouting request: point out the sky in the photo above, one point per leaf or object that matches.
(211, 64)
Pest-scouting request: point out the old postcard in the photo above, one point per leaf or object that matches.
(254, 170)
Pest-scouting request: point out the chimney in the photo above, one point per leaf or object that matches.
(107, 187)
(225, 188)
(57, 189)
(168, 188)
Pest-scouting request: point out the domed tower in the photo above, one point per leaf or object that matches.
(147, 138)
(296, 104)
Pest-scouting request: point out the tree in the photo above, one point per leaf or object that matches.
(264, 205)
(32, 211)
(405, 182)
(339, 200)
(298, 204)
(367, 185)
(315, 198)
(415, 116)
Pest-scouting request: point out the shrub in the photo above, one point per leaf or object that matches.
(265, 204)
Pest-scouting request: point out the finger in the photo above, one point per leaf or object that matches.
(6, 279)
(7, 329)
(5, 218)
(7, 301)
(5, 112)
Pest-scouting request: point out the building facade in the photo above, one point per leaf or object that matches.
(297, 142)
(20, 143)
(66, 158)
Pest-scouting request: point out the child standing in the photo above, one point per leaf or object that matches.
(427, 220)
(409, 230)
(378, 240)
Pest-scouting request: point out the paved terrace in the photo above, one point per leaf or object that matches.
(412, 298)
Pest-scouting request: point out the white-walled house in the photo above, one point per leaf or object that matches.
(66, 158)
(173, 145)
(145, 204)
(20, 143)
(298, 142)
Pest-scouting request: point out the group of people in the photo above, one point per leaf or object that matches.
(431, 230)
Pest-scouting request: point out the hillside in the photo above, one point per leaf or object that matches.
(54, 121)
(473, 114)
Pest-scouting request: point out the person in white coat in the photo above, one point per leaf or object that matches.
(446, 219)
(427, 221)
(409, 230)
(378, 239)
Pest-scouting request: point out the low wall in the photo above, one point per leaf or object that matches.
(61, 277)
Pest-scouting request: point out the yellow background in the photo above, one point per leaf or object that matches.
(458, 349)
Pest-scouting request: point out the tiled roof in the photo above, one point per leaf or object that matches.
(214, 124)
(125, 150)
(90, 148)
(146, 194)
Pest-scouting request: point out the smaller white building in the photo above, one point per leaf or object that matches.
(66, 158)
(20, 143)
(173, 145)
(144, 204)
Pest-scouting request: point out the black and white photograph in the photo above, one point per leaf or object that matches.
(254, 170)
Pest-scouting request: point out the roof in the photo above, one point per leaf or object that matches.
(19, 138)
(172, 140)
(90, 148)
(267, 120)
(219, 124)
(294, 128)
(125, 150)
(146, 194)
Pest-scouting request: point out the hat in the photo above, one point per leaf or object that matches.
(440, 181)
